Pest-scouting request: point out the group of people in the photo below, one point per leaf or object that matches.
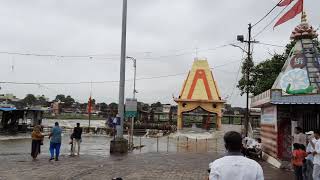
(306, 155)
(55, 141)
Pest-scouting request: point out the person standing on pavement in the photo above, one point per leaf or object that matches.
(298, 155)
(55, 141)
(299, 137)
(234, 165)
(37, 138)
(77, 132)
(316, 156)
(307, 168)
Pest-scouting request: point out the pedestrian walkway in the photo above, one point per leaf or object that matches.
(172, 166)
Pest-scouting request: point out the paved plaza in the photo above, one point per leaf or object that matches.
(145, 166)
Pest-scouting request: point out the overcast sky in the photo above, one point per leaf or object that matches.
(162, 35)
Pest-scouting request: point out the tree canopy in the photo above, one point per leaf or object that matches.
(30, 99)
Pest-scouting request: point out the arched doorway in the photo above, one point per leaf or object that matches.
(199, 118)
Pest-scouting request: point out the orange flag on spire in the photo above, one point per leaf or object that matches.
(285, 2)
(295, 10)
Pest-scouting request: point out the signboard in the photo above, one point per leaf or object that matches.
(131, 107)
(269, 115)
(116, 121)
(298, 61)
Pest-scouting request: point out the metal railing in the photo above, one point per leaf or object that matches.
(176, 144)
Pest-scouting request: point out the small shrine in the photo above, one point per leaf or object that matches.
(294, 99)
(200, 94)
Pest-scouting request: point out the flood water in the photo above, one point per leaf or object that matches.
(187, 140)
(70, 123)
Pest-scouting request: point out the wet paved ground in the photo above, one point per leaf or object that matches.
(184, 160)
(172, 166)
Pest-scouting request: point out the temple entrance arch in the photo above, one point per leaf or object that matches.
(199, 91)
(199, 118)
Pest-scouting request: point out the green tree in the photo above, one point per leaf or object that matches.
(103, 107)
(244, 84)
(42, 100)
(60, 97)
(68, 102)
(30, 100)
(266, 72)
(156, 105)
(113, 106)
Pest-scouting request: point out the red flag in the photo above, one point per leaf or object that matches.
(295, 10)
(89, 105)
(285, 2)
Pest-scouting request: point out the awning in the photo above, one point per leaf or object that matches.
(7, 109)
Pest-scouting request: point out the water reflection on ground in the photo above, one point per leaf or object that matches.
(188, 140)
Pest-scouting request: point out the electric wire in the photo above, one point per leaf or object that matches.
(267, 14)
(268, 44)
(263, 29)
(107, 81)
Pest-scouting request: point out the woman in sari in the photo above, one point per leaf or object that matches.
(37, 139)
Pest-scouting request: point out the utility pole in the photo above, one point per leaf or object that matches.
(122, 70)
(247, 75)
(119, 144)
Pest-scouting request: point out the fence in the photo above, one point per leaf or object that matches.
(177, 144)
(169, 143)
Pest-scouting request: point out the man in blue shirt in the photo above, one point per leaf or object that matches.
(55, 141)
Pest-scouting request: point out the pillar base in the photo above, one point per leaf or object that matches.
(119, 146)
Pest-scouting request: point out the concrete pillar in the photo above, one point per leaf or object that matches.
(179, 121)
(218, 121)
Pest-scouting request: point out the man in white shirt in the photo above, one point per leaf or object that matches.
(308, 164)
(234, 165)
(316, 157)
(299, 137)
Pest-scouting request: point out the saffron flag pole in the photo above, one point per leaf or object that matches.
(293, 12)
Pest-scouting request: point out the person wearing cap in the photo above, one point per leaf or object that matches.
(308, 164)
(55, 141)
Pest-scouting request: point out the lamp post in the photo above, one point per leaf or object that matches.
(134, 96)
(119, 144)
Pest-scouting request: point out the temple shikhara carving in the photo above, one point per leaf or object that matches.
(200, 90)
